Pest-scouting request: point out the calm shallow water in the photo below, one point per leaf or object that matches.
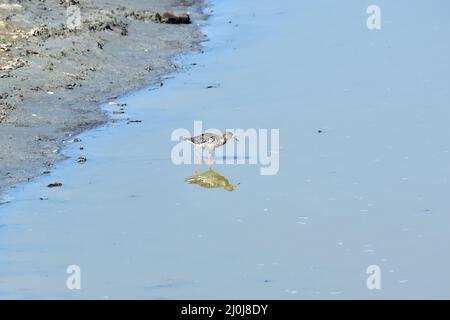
(370, 189)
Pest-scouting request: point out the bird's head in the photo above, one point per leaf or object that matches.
(229, 135)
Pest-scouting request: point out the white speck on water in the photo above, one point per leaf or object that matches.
(384, 259)
(50, 92)
(260, 264)
(291, 291)
(331, 199)
(34, 115)
(265, 210)
(363, 210)
(368, 250)
(405, 179)
(301, 222)
(239, 220)
(199, 236)
(402, 281)
(340, 243)
(391, 271)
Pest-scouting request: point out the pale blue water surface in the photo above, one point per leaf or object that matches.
(370, 189)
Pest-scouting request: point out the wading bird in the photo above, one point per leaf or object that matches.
(210, 141)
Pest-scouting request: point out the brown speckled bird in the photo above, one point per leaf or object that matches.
(211, 141)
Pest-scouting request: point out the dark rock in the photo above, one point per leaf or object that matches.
(81, 160)
(55, 185)
(171, 18)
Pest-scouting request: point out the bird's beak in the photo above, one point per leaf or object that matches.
(235, 138)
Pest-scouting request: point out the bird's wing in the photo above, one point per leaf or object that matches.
(203, 138)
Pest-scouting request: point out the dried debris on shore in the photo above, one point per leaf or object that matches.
(166, 17)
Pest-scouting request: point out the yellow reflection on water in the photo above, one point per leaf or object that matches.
(210, 179)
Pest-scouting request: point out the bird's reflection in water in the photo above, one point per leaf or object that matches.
(210, 179)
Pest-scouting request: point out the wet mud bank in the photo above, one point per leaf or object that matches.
(59, 60)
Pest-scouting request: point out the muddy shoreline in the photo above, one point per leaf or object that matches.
(54, 75)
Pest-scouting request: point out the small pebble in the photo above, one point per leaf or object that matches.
(55, 185)
(81, 160)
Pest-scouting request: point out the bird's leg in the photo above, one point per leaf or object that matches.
(197, 167)
(198, 155)
(210, 161)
